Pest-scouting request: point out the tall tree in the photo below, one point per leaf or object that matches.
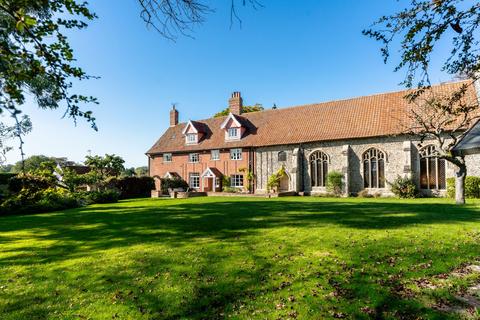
(35, 162)
(416, 32)
(109, 165)
(141, 171)
(36, 57)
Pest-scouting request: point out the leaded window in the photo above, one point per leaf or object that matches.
(282, 156)
(318, 168)
(373, 168)
(432, 169)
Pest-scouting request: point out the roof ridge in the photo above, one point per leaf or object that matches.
(332, 101)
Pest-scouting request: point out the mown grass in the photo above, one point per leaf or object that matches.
(247, 258)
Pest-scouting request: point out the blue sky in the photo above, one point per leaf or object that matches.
(284, 53)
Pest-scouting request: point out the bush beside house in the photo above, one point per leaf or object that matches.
(50, 186)
(404, 188)
(472, 187)
(335, 183)
(134, 187)
(167, 183)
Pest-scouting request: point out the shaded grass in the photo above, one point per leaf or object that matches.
(211, 258)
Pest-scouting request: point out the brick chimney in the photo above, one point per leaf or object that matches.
(235, 103)
(173, 117)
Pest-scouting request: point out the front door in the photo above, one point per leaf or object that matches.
(208, 184)
(284, 182)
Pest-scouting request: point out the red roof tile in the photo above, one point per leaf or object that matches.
(369, 116)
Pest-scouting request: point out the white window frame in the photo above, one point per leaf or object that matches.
(215, 152)
(236, 181)
(194, 180)
(236, 154)
(233, 130)
(191, 138)
(192, 156)
(167, 157)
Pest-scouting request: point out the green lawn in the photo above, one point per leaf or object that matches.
(249, 258)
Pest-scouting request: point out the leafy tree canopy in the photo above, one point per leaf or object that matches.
(109, 165)
(36, 58)
(36, 162)
(141, 171)
(246, 109)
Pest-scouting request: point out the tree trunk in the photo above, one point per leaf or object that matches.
(460, 175)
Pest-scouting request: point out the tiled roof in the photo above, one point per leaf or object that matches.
(377, 115)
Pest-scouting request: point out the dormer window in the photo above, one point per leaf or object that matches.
(193, 132)
(233, 126)
(233, 133)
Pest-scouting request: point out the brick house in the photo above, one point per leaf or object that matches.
(363, 138)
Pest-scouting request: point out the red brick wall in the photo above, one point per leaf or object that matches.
(181, 165)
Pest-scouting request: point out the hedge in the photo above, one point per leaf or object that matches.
(472, 187)
(134, 187)
(5, 178)
(167, 183)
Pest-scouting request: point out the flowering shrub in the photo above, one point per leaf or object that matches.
(404, 188)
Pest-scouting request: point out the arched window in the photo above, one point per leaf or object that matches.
(432, 169)
(318, 168)
(282, 156)
(373, 168)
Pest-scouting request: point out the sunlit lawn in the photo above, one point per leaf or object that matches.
(208, 258)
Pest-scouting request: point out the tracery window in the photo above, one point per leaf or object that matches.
(373, 168)
(318, 168)
(432, 169)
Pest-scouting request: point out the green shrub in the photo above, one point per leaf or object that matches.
(230, 189)
(31, 182)
(472, 187)
(167, 183)
(135, 187)
(50, 199)
(404, 188)
(335, 183)
(451, 187)
(273, 182)
(226, 181)
(5, 178)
